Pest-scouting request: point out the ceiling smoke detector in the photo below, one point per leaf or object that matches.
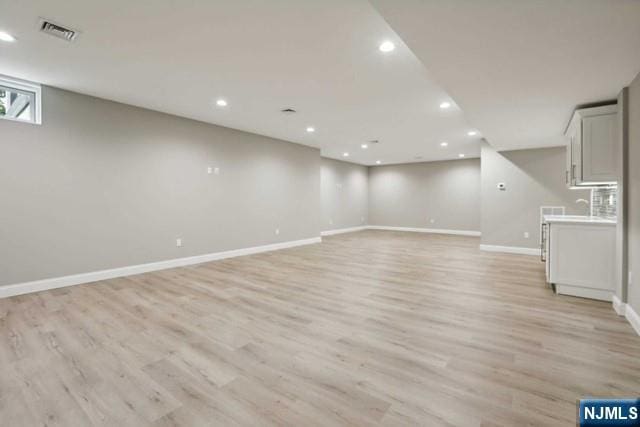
(57, 30)
(288, 111)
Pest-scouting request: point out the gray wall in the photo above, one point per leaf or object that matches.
(414, 195)
(633, 193)
(533, 178)
(101, 185)
(343, 188)
(622, 166)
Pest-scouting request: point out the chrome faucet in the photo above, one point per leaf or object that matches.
(586, 202)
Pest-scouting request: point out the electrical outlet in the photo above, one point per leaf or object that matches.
(431, 221)
(277, 231)
(179, 242)
(330, 222)
(362, 219)
(526, 234)
(216, 171)
(209, 170)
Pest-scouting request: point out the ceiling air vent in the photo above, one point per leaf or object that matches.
(58, 31)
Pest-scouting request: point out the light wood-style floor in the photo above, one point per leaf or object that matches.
(368, 328)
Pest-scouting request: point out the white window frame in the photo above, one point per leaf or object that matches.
(24, 85)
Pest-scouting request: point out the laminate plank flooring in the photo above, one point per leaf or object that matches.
(367, 328)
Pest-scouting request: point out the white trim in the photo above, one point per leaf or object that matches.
(511, 250)
(583, 292)
(27, 86)
(633, 318)
(342, 230)
(425, 230)
(77, 279)
(618, 305)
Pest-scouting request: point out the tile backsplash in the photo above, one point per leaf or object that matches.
(604, 202)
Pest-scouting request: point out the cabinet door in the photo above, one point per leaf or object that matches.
(599, 148)
(582, 255)
(547, 247)
(576, 155)
(567, 172)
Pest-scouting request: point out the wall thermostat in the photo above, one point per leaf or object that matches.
(502, 186)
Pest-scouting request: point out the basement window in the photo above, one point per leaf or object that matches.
(20, 100)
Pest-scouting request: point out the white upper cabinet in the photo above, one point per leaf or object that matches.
(598, 148)
(592, 147)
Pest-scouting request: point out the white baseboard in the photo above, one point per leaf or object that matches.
(511, 250)
(624, 309)
(409, 229)
(618, 305)
(424, 230)
(343, 230)
(77, 279)
(633, 318)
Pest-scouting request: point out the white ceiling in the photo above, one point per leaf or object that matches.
(319, 57)
(518, 68)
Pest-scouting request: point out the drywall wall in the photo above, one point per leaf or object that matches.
(343, 189)
(633, 194)
(101, 185)
(437, 195)
(533, 178)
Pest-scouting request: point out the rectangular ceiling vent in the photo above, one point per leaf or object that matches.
(58, 31)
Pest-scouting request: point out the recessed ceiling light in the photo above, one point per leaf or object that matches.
(445, 105)
(378, 162)
(364, 146)
(345, 154)
(221, 103)
(311, 129)
(444, 144)
(472, 133)
(460, 155)
(387, 46)
(6, 37)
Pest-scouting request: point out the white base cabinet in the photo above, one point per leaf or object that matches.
(581, 259)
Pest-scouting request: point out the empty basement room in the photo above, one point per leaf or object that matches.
(320, 213)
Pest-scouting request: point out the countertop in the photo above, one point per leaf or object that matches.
(578, 219)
